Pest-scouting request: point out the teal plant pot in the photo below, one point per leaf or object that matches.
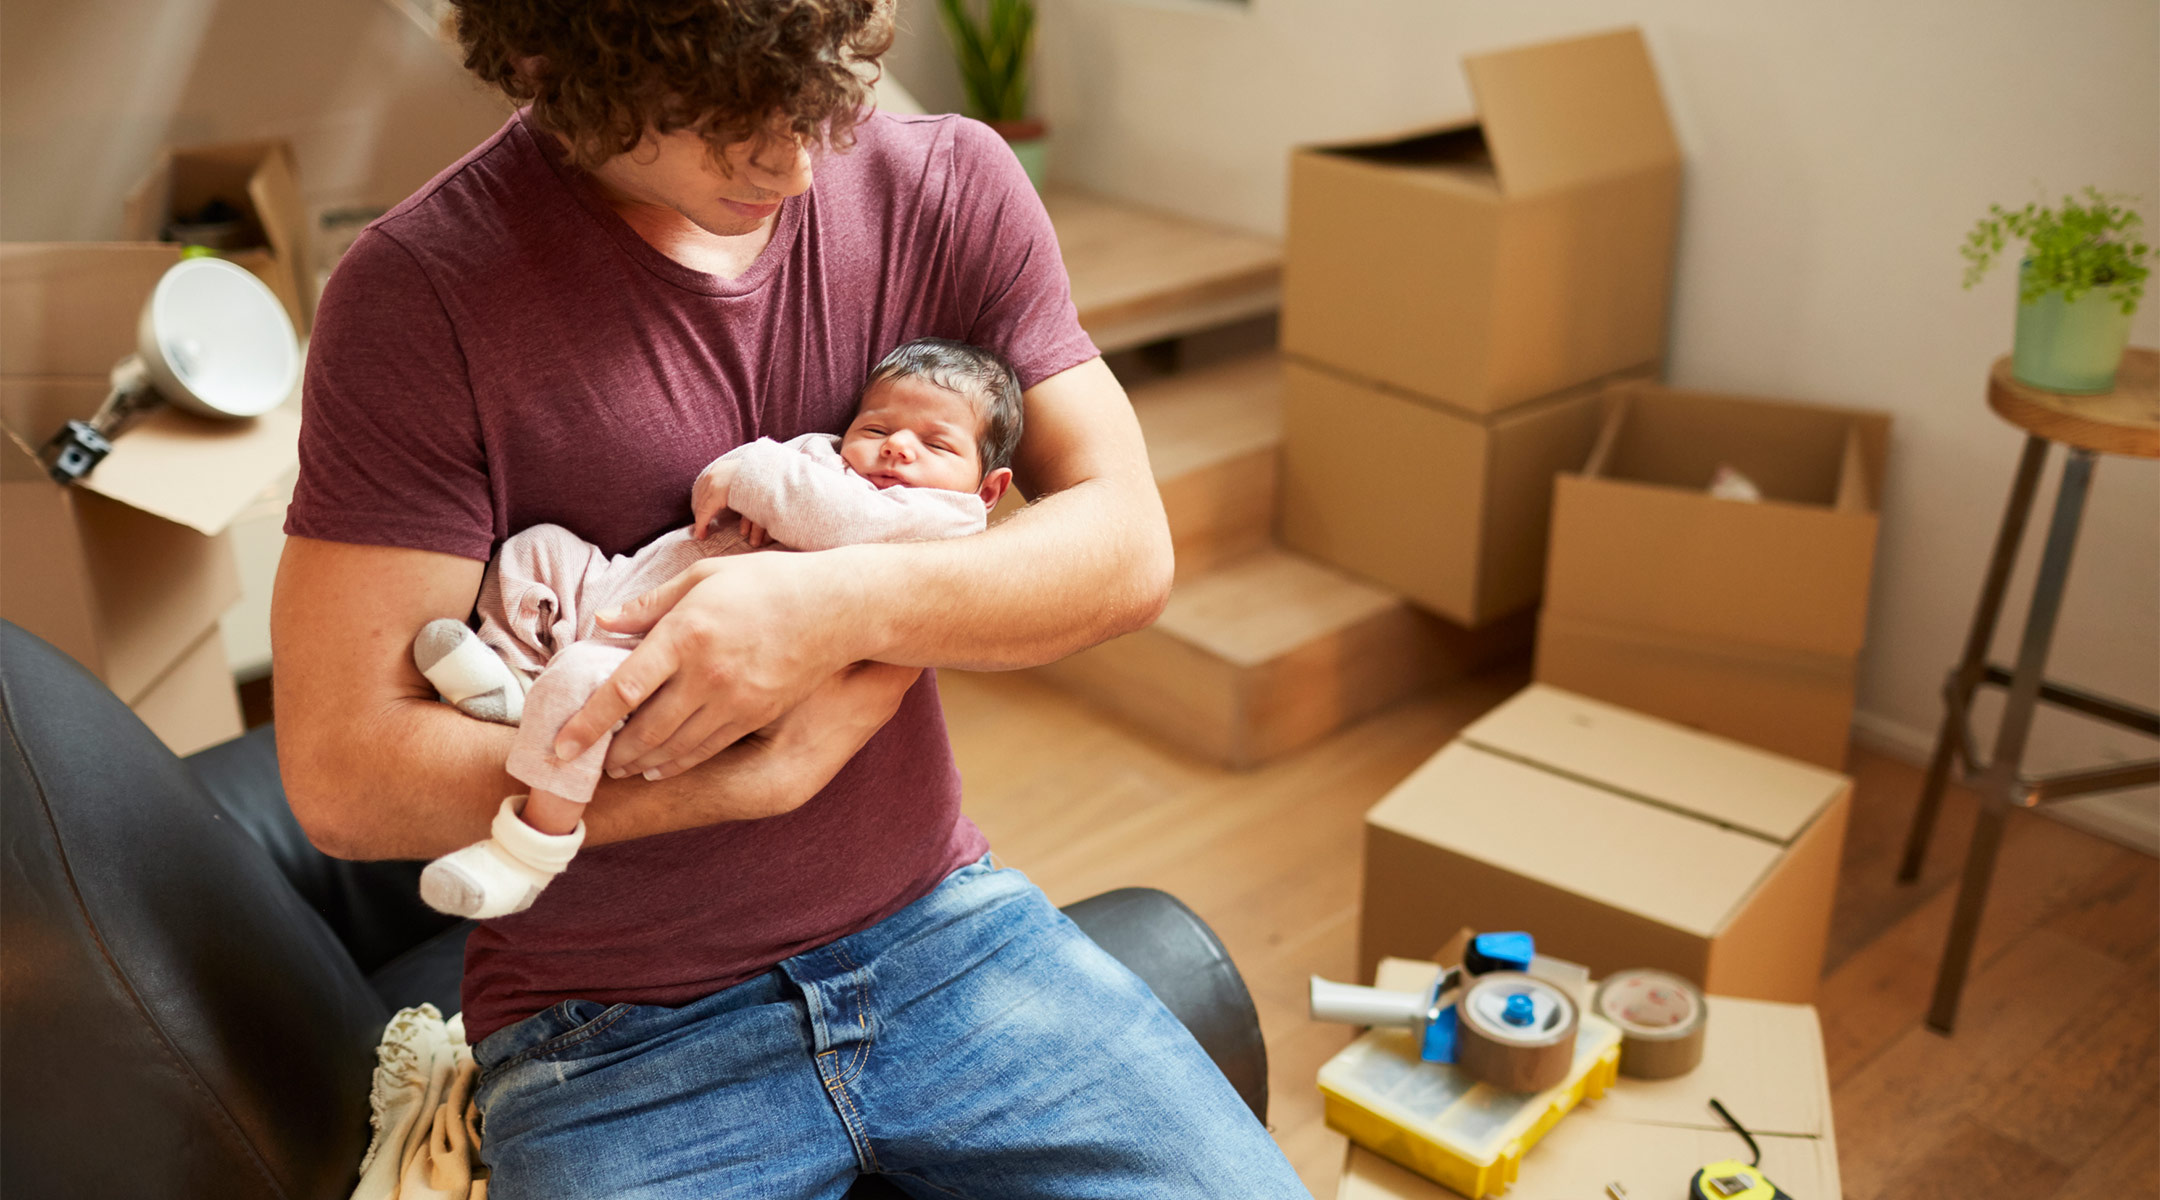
(1029, 144)
(1034, 156)
(2069, 347)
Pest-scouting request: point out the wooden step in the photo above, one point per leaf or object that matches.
(1140, 276)
(1212, 434)
(1269, 652)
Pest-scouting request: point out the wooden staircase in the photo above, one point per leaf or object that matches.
(1259, 651)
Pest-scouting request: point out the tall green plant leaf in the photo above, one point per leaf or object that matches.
(993, 54)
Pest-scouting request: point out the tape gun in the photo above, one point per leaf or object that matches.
(1429, 1014)
(1433, 1014)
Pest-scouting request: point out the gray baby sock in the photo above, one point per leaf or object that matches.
(467, 673)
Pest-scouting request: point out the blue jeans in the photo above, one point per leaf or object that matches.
(975, 1043)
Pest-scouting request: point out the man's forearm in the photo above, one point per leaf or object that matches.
(423, 779)
(1070, 570)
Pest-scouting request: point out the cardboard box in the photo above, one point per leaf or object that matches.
(258, 180)
(194, 704)
(1449, 509)
(1493, 261)
(1763, 1061)
(124, 570)
(1619, 840)
(1743, 619)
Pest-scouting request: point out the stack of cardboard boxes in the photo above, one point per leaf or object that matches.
(1473, 317)
(1474, 310)
(128, 570)
(1453, 300)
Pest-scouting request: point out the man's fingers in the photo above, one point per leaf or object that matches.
(649, 666)
(641, 614)
(720, 739)
(650, 727)
(679, 728)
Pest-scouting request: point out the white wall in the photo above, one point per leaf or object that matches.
(1836, 153)
(89, 93)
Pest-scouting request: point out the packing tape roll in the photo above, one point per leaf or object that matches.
(1515, 1032)
(1661, 1018)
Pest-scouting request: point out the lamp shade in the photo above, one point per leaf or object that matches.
(216, 342)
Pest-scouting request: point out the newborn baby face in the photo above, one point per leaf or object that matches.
(911, 432)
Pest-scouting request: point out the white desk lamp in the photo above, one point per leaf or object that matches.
(213, 340)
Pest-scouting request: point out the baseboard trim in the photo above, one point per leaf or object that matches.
(2125, 818)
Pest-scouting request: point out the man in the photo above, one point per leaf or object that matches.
(781, 959)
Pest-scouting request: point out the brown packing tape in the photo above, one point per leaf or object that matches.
(1515, 1058)
(1662, 1020)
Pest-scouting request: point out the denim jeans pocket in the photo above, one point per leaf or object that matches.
(576, 1023)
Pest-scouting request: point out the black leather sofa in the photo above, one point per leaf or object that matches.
(191, 994)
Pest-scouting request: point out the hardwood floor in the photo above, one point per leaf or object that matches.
(2049, 1091)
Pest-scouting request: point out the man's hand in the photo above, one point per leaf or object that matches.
(730, 644)
(811, 742)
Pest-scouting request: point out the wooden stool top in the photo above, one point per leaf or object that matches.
(2124, 421)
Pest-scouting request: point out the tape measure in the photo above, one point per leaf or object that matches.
(1662, 1019)
(1732, 1180)
(1515, 1032)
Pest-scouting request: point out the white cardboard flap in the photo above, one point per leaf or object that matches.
(1567, 112)
(1685, 873)
(1763, 794)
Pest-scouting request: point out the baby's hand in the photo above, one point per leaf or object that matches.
(754, 534)
(710, 494)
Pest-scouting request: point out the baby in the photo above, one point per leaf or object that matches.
(927, 456)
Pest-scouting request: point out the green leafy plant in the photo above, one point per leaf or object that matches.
(993, 52)
(2072, 249)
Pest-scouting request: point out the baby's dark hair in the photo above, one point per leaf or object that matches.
(970, 371)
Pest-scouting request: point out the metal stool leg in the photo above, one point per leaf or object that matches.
(2000, 787)
(1966, 676)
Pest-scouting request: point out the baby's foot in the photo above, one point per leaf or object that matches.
(467, 673)
(503, 874)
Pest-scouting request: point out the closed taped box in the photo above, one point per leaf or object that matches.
(1620, 840)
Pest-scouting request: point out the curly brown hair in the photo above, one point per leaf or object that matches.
(603, 72)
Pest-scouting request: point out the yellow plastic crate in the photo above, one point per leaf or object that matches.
(1436, 1120)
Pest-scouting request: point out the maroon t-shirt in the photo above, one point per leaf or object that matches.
(502, 350)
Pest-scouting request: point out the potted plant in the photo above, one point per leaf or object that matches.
(2082, 276)
(993, 54)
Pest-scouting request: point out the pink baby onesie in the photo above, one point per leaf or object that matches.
(540, 595)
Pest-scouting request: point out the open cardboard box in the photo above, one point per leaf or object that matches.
(1763, 1061)
(1493, 261)
(259, 180)
(1743, 619)
(1620, 840)
(128, 570)
(1449, 509)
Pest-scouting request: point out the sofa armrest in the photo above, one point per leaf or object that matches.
(374, 908)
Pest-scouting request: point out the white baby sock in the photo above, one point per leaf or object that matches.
(503, 874)
(467, 673)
